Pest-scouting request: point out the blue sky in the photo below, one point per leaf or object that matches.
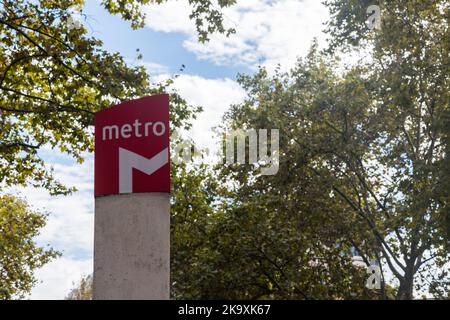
(268, 33)
(161, 48)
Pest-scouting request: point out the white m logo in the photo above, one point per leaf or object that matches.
(129, 160)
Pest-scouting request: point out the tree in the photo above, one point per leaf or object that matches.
(287, 235)
(409, 86)
(82, 291)
(364, 150)
(249, 242)
(54, 77)
(19, 254)
(193, 215)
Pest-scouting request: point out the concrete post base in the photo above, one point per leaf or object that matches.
(131, 246)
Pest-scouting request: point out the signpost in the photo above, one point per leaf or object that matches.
(132, 185)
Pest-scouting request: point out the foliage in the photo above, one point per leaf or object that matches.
(409, 78)
(235, 235)
(19, 254)
(289, 235)
(82, 291)
(207, 16)
(193, 202)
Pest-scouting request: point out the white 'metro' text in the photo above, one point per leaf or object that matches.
(137, 128)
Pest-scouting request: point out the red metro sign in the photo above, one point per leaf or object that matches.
(132, 147)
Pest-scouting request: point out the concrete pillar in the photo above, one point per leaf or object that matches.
(131, 246)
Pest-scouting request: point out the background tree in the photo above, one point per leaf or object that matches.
(193, 215)
(82, 290)
(239, 236)
(409, 74)
(19, 254)
(288, 235)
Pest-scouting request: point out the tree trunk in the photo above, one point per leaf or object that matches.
(405, 291)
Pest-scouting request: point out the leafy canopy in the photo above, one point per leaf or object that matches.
(19, 254)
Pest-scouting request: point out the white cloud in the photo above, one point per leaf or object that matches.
(215, 96)
(268, 32)
(154, 69)
(170, 16)
(70, 225)
(57, 278)
(70, 222)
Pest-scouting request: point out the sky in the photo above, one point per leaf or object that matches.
(269, 32)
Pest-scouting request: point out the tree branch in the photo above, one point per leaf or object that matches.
(64, 107)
